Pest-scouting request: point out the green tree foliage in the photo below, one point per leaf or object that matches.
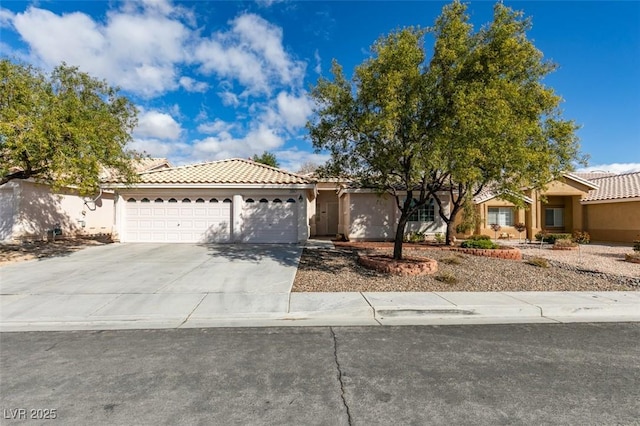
(498, 125)
(266, 158)
(63, 129)
(475, 114)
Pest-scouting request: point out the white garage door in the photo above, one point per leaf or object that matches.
(270, 220)
(187, 220)
(6, 214)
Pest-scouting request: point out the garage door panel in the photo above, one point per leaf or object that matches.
(270, 222)
(164, 221)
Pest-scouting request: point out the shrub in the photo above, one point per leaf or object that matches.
(446, 277)
(479, 237)
(414, 237)
(479, 244)
(632, 257)
(520, 226)
(540, 262)
(565, 242)
(581, 237)
(439, 237)
(452, 260)
(636, 245)
(551, 238)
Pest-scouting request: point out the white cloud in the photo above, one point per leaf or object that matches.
(318, 67)
(293, 159)
(191, 85)
(613, 168)
(251, 53)
(157, 125)
(294, 110)
(137, 48)
(216, 126)
(224, 145)
(6, 18)
(160, 148)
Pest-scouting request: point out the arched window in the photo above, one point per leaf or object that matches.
(291, 200)
(145, 200)
(159, 200)
(213, 200)
(277, 200)
(131, 200)
(173, 200)
(199, 200)
(249, 200)
(227, 200)
(264, 200)
(186, 200)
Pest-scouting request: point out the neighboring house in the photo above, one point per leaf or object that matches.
(612, 211)
(362, 214)
(30, 210)
(603, 204)
(232, 200)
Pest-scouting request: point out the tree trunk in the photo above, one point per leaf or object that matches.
(397, 245)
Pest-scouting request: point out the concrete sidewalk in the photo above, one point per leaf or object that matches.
(85, 312)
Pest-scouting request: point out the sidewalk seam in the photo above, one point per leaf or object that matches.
(372, 308)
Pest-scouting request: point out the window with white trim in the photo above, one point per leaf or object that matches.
(554, 217)
(502, 216)
(424, 213)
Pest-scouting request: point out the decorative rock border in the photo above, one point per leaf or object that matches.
(408, 266)
(509, 253)
(500, 253)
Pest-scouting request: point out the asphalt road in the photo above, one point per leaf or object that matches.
(500, 374)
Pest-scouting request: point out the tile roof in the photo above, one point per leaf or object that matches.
(140, 165)
(232, 171)
(592, 175)
(615, 187)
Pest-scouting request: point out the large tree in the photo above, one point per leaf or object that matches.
(498, 125)
(475, 114)
(64, 128)
(376, 127)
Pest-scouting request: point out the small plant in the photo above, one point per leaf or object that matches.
(496, 228)
(632, 257)
(565, 242)
(446, 277)
(636, 245)
(551, 238)
(520, 227)
(478, 237)
(479, 244)
(581, 237)
(414, 237)
(439, 237)
(540, 262)
(452, 260)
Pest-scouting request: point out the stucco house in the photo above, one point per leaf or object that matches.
(31, 210)
(361, 214)
(605, 205)
(233, 200)
(612, 210)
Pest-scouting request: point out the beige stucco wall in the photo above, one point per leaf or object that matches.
(38, 210)
(613, 221)
(375, 217)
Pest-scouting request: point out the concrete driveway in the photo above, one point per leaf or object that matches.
(147, 285)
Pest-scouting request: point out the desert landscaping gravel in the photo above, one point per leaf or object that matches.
(336, 270)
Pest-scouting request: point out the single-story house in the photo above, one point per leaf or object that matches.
(364, 215)
(234, 200)
(612, 211)
(603, 204)
(31, 210)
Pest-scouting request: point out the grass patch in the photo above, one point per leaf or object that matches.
(446, 277)
(540, 262)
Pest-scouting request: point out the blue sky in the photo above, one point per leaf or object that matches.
(216, 80)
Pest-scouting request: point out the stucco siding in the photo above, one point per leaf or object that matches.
(619, 222)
